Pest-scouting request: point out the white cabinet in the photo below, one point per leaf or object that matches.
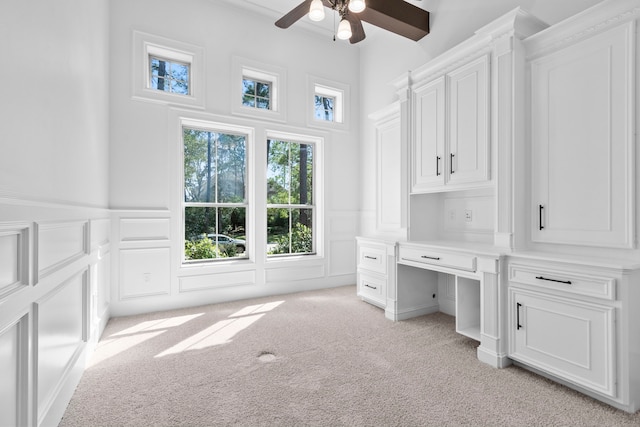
(569, 338)
(451, 129)
(582, 138)
(376, 270)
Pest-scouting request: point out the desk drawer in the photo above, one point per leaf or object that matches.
(434, 257)
(372, 287)
(373, 258)
(562, 280)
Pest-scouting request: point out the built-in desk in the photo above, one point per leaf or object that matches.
(479, 295)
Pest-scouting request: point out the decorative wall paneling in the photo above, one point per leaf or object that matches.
(150, 274)
(54, 272)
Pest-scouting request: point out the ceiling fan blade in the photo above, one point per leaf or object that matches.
(296, 13)
(357, 32)
(397, 16)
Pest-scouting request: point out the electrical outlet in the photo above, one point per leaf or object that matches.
(468, 215)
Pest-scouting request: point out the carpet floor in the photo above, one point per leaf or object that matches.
(320, 358)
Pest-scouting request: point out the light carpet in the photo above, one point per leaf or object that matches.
(321, 358)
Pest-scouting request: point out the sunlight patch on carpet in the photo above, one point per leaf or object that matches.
(223, 331)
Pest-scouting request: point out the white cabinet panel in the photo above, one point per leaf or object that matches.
(567, 338)
(582, 137)
(429, 135)
(469, 123)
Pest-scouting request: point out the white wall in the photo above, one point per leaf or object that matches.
(385, 57)
(144, 155)
(54, 221)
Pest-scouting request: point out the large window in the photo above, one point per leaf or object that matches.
(215, 194)
(290, 197)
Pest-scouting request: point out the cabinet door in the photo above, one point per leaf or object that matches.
(468, 157)
(566, 338)
(429, 133)
(582, 102)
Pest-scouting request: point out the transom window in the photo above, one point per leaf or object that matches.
(290, 198)
(169, 76)
(256, 93)
(215, 194)
(328, 104)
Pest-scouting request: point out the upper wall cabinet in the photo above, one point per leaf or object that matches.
(451, 129)
(582, 135)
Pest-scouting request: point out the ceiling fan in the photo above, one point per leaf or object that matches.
(396, 16)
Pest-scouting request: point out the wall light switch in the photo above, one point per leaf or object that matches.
(468, 215)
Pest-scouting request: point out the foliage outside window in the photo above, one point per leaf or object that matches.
(324, 108)
(256, 94)
(290, 198)
(169, 76)
(215, 202)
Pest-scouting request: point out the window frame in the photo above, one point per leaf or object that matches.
(245, 68)
(327, 88)
(249, 204)
(317, 196)
(146, 46)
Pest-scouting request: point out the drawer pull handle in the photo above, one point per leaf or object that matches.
(438, 165)
(566, 282)
(451, 156)
(518, 325)
(369, 286)
(371, 257)
(540, 208)
(437, 258)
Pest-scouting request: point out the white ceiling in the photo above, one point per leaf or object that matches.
(275, 9)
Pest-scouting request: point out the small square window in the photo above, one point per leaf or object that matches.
(324, 108)
(256, 93)
(169, 76)
(328, 104)
(167, 71)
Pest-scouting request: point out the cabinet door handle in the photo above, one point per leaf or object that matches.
(566, 282)
(540, 208)
(438, 165)
(430, 257)
(451, 156)
(369, 286)
(518, 325)
(371, 257)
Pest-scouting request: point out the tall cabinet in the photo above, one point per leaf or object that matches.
(574, 292)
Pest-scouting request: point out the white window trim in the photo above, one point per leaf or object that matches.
(250, 192)
(241, 68)
(318, 195)
(146, 45)
(341, 93)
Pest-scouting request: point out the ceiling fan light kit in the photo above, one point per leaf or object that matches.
(344, 30)
(397, 16)
(316, 11)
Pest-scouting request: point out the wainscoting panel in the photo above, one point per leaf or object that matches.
(13, 345)
(137, 229)
(60, 243)
(342, 257)
(61, 325)
(100, 230)
(220, 280)
(14, 258)
(145, 272)
(294, 273)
